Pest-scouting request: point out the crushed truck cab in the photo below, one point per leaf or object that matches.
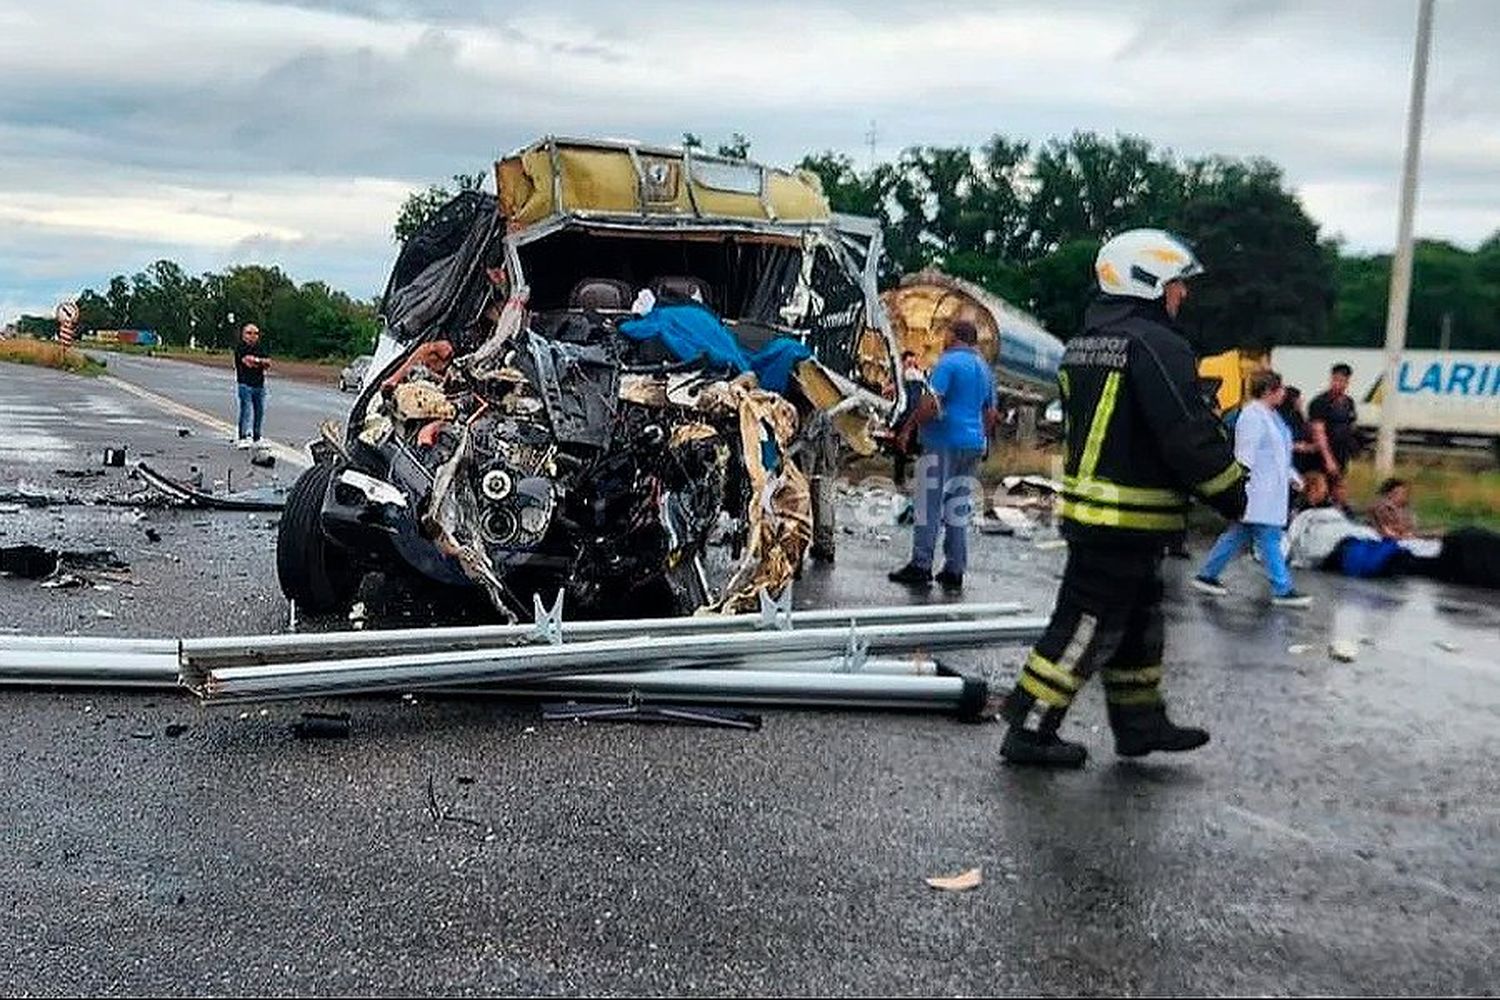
(627, 377)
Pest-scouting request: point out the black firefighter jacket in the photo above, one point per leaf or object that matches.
(1140, 437)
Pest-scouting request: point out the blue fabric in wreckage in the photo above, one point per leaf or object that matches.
(693, 333)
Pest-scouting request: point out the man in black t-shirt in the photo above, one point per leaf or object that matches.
(1331, 417)
(250, 364)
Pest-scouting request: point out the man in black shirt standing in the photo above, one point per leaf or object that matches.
(1331, 417)
(250, 364)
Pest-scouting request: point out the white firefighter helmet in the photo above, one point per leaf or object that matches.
(1140, 262)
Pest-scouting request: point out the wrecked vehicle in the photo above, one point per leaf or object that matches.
(627, 377)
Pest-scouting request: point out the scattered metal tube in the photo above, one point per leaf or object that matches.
(40, 667)
(960, 695)
(624, 655)
(210, 653)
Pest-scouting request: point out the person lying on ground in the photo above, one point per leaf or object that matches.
(1327, 538)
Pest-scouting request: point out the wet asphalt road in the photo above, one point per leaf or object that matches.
(1339, 835)
(294, 409)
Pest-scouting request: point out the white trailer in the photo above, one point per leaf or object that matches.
(1442, 397)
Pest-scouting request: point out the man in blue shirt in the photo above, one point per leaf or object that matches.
(954, 418)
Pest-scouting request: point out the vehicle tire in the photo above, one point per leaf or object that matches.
(314, 572)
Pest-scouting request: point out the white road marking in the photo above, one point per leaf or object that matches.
(283, 452)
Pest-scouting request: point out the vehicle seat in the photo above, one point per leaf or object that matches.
(683, 286)
(601, 294)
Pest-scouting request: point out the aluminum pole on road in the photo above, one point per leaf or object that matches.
(1400, 297)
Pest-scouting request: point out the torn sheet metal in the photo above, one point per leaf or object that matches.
(263, 499)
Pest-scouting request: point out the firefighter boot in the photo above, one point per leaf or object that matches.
(1140, 730)
(1041, 746)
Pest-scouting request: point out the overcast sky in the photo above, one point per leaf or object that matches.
(223, 131)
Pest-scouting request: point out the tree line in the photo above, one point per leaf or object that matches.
(1021, 220)
(308, 320)
(1025, 222)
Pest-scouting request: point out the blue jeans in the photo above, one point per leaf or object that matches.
(945, 491)
(1267, 539)
(252, 409)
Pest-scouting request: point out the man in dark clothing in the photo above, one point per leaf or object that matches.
(1305, 453)
(914, 382)
(250, 364)
(1140, 438)
(1331, 417)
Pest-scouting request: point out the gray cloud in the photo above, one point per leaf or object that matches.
(252, 107)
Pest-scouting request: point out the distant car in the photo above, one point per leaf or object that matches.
(353, 375)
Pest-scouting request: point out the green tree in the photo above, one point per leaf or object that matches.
(737, 148)
(420, 206)
(1269, 281)
(1062, 285)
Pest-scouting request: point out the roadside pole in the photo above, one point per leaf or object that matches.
(1400, 295)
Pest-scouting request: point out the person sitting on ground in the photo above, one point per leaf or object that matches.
(1392, 515)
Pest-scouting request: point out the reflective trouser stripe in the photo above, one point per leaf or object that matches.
(1102, 491)
(1145, 675)
(1133, 687)
(1221, 482)
(1119, 517)
(1102, 414)
(1053, 674)
(1044, 692)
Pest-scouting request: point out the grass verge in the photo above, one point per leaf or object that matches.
(48, 354)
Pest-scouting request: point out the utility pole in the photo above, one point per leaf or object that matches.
(1400, 297)
(871, 138)
(1447, 330)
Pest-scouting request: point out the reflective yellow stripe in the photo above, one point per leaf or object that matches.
(1145, 675)
(1145, 696)
(1110, 517)
(1052, 672)
(1221, 482)
(1062, 380)
(1102, 413)
(1104, 491)
(1042, 692)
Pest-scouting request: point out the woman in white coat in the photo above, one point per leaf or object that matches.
(1263, 445)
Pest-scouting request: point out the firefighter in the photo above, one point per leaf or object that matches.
(1140, 439)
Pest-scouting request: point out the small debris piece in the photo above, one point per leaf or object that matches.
(102, 613)
(114, 457)
(183, 432)
(79, 473)
(152, 535)
(1446, 646)
(264, 459)
(962, 882)
(1299, 649)
(1343, 650)
(10, 508)
(176, 729)
(142, 734)
(30, 561)
(322, 726)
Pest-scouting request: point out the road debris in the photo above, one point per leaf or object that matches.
(79, 473)
(264, 498)
(321, 726)
(176, 729)
(1344, 650)
(962, 882)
